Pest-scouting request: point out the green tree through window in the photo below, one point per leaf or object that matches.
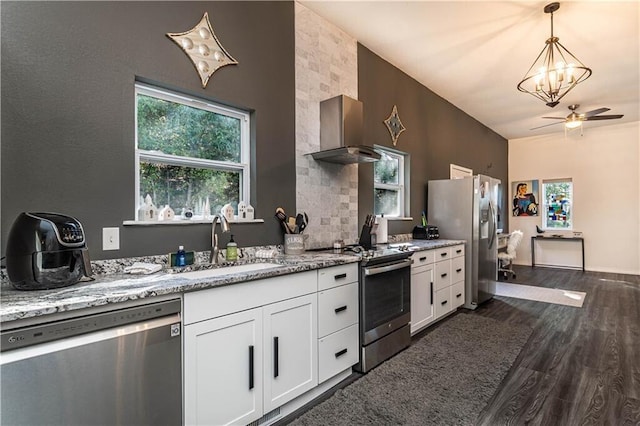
(190, 151)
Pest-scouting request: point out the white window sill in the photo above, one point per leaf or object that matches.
(389, 218)
(181, 222)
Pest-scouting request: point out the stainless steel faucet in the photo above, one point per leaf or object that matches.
(224, 224)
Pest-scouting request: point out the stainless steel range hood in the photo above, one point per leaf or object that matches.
(341, 126)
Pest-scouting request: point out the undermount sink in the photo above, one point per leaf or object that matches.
(404, 246)
(227, 270)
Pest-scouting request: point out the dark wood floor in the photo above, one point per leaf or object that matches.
(581, 366)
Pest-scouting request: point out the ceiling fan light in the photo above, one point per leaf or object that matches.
(572, 124)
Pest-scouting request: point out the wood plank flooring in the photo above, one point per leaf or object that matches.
(581, 366)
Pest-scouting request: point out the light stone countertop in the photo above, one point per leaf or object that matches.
(112, 288)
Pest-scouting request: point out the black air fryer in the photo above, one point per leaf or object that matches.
(46, 250)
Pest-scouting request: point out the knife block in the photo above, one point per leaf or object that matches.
(365, 238)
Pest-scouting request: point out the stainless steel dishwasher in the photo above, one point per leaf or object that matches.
(112, 368)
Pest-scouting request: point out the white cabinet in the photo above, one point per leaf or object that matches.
(437, 284)
(252, 347)
(291, 350)
(422, 290)
(240, 365)
(223, 370)
(338, 314)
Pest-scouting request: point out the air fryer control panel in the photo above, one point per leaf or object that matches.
(70, 233)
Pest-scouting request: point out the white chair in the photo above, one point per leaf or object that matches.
(505, 258)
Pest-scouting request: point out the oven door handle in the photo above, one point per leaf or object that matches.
(382, 269)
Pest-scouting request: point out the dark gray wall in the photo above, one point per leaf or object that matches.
(68, 72)
(437, 134)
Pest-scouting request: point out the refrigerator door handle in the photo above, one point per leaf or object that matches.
(492, 221)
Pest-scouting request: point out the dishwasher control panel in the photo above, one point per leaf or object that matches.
(28, 336)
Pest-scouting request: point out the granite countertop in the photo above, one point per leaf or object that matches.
(120, 287)
(111, 286)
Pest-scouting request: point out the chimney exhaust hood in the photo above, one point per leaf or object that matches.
(341, 127)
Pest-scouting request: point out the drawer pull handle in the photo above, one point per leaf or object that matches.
(422, 259)
(340, 309)
(443, 254)
(459, 270)
(459, 295)
(444, 303)
(340, 276)
(250, 367)
(275, 357)
(459, 251)
(443, 275)
(340, 353)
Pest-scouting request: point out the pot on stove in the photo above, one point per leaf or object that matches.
(46, 250)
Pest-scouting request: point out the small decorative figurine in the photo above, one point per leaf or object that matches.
(166, 213)
(148, 210)
(227, 212)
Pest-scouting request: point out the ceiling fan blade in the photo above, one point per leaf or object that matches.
(557, 118)
(604, 117)
(546, 125)
(595, 112)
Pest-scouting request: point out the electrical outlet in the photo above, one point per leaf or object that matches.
(110, 238)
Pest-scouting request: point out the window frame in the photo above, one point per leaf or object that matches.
(545, 204)
(243, 166)
(403, 185)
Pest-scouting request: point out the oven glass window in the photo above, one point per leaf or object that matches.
(386, 297)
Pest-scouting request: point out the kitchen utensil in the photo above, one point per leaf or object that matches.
(282, 217)
(305, 222)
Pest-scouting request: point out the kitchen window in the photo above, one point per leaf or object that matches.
(191, 154)
(389, 184)
(557, 196)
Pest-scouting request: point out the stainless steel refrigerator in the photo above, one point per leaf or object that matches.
(466, 209)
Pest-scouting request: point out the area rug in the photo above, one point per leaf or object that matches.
(445, 378)
(541, 294)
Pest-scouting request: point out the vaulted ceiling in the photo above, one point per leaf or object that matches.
(474, 53)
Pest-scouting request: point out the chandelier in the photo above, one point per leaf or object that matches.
(555, 71)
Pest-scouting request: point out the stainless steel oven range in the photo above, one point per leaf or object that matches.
(385, 305)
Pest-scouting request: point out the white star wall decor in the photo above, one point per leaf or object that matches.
(203, 48)
(394, 125)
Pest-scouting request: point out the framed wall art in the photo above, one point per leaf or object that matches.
(525, 197)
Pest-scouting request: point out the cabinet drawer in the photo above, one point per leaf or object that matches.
(443, 253)
(421, 258)
(442, 274)
(337, 275)
(337, 352)
(215, 302)
(443, 301)
(457, 251)
(457, 294)
(337, 308)
(457, 269)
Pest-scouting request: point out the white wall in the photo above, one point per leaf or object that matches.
(604, 165)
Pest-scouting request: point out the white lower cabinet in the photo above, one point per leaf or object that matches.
(291, 355)
(252, 347)
(223, 370)
(422, 296)
(437, 284)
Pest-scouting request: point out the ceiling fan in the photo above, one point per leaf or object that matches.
(575, 119)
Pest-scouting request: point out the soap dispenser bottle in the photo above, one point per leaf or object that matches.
(232, 250)
(181, 257)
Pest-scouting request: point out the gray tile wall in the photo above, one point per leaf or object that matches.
(326, 66)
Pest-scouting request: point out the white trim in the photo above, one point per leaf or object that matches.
(179, 221)
(243, 166)
(459, 172)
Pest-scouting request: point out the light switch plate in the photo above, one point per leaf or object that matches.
(110, 238)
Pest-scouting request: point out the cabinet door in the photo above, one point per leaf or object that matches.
(291, 349)
(223, 370)
(422, 297)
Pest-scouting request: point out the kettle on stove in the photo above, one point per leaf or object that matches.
(46, 250)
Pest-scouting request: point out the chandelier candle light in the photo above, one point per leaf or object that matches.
(555, 71)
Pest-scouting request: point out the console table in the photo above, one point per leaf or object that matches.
(539, 237)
